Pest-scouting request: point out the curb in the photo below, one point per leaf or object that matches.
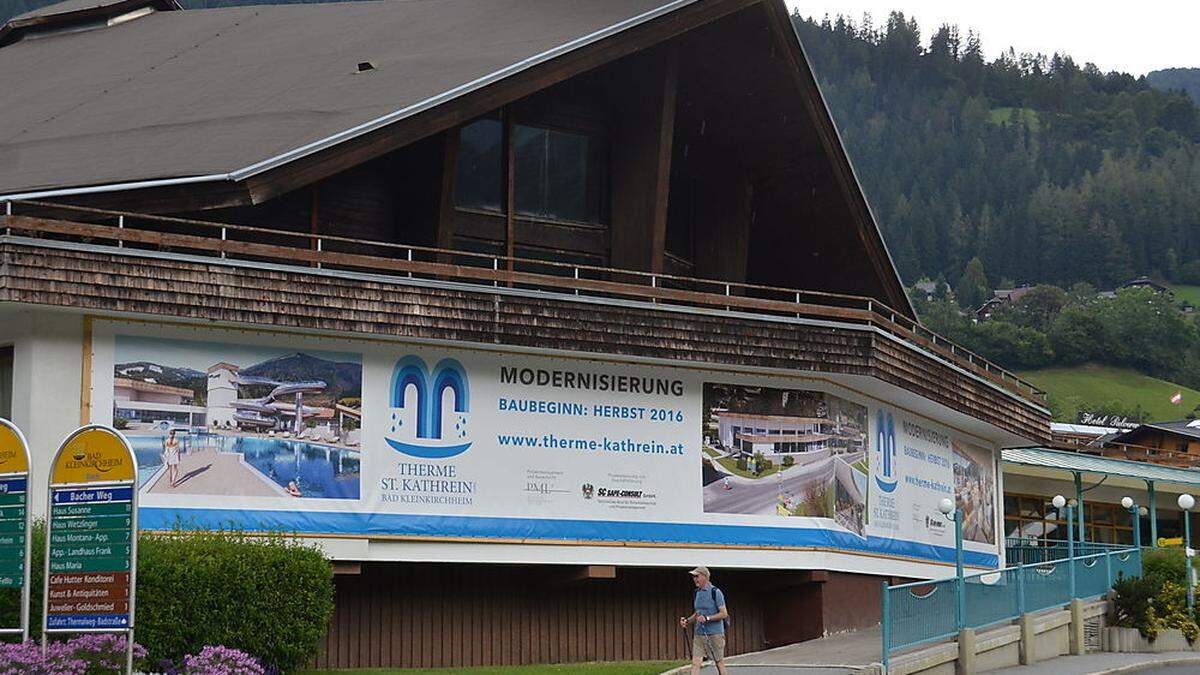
(870, 668)
(1135, 667)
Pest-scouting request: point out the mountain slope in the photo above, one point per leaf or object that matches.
(1187, 79)
(1115, 391)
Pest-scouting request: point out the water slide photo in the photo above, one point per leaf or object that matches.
(231, 420)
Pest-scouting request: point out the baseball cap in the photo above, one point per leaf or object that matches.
(701, 569)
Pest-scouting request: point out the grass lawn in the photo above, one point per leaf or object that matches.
(626, 668)
(1092, 387)
(1188, 294)
(1027, 116)
(731, 464)
(712, 452)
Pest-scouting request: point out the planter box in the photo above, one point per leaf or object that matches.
(1129, 640)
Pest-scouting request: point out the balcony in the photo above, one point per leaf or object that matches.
(111, 261)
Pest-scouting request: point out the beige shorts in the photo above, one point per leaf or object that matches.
(709, 646)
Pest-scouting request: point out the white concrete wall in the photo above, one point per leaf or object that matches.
(47, 363)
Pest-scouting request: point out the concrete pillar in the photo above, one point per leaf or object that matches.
(1077, 644)
(966, 652)
(1027, 647)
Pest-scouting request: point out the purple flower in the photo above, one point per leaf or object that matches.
(221, 661)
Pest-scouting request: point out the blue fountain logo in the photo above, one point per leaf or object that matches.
(427, 440)
(885, 451)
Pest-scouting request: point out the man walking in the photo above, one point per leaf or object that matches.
(709, 617)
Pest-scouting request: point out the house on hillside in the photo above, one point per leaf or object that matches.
(549, 233)
(1145, 282)
(1000, 298)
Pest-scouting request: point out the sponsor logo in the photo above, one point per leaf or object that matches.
(418, 425)
(588, 490)
(935, 524)
(885, 451)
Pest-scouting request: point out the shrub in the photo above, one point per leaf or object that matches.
(1158, 599)
(1134, 605)
(788, 460)
(1165, 565)
(269, 596)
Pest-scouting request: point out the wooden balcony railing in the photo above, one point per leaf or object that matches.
(331, 252)
(1136, 453)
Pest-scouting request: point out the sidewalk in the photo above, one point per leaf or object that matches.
(854, 653)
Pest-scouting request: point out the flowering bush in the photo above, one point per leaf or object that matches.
(217, 661)
(93, 654)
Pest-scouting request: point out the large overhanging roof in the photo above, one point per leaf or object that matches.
(1080, 463)
(229, 92)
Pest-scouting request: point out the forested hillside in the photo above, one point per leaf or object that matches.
(1046, 170)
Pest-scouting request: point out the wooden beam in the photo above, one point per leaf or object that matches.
(642, 142)
(868, 233)
(510, 185)
(445, 223)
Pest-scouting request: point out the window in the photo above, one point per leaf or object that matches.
(553, 177)
(6, 382)
(1029, 517)
(557, 174)
(479, 182)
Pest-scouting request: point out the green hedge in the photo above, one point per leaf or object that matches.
(269, 596)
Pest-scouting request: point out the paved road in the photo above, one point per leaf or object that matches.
(760, 496)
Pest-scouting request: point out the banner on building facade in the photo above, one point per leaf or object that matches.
(379, 440)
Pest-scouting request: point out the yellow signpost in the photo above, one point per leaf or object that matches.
(14, 519)
(91, 536)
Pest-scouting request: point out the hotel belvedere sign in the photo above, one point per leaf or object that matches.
(91, 540)
(14, 519)
(372, 439)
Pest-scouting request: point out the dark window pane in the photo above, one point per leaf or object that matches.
(480, 178)
(553, 174)
(1010, 505)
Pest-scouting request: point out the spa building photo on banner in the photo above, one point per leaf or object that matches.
(517, 309)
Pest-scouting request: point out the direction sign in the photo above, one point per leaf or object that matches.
(91, 542)
(14, 519)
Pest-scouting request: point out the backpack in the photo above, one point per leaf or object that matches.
(728, 621)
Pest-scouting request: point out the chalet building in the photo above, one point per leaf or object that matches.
(1097, 466)
(1001, 297)
(526, 250)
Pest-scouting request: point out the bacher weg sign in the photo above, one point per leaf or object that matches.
(91, 539)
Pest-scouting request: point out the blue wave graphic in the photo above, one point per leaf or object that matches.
(428, 451)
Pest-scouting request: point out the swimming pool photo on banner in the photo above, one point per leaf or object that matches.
(219, 419)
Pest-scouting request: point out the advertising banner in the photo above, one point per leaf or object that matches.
(398, 440)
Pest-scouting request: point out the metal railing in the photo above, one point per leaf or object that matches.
(1024, 552)
(927, 611)
(332, 252)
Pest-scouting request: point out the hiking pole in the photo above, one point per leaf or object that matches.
(709, 648)
(687, 643)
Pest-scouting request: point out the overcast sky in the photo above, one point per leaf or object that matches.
(1133, 37)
